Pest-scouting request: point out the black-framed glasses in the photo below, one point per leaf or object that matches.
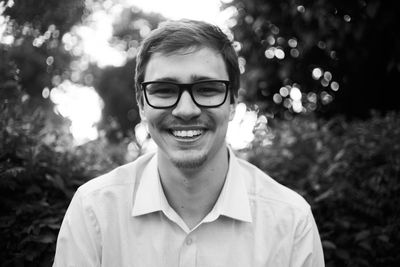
(207, 93)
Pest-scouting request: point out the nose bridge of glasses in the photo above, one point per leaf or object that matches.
(186, 87)
(186, 108)
(185, 94)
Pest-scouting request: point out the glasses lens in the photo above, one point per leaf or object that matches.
(209, 93)
(161, 94)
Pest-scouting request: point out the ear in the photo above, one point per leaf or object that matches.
(140, 105)
(141, 112)
(232, 109)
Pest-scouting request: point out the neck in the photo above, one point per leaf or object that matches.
(193, 192)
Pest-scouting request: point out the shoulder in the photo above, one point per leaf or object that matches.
(268, 193)
(123, 177)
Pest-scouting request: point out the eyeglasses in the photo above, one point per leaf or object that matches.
(208, 93)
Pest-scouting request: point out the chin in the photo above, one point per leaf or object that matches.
(189, 161)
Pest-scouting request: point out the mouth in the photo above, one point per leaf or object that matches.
(187, 134)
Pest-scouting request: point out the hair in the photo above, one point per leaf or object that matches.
(177, 36)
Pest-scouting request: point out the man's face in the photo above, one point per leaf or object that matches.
(186, 134)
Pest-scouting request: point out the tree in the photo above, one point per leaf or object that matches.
(116, 84)
(344, 56)
(36, 29)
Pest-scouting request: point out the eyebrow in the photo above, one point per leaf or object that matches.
(193, 78)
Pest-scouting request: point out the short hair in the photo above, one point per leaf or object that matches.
(174, 36)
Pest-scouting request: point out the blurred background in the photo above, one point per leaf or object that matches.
(318, 110)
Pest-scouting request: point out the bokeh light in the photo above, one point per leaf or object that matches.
(316, 73)
(326, 98)
(284, 91)
(295, 94)
(6, 38)
(292, 42)
(294, 52)
(279, 54)
(297, 106)
(271, 40)
(82, 105)
(269, 53)
(312, 97)
(240, 129)
(46, 92)
(327, 75)
(301, 9)
(334, 86)
(277, 98)
(324, 82)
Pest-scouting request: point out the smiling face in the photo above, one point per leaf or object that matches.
(188, 136)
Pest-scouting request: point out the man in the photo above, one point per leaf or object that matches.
(192, 203)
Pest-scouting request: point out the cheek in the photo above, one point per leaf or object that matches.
(156, 119)
(147, 116)
(222, 121)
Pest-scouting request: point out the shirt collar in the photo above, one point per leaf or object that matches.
(149, 194)
(233, 201)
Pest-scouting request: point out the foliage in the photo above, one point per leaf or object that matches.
(351, 42)
(37, 28)
(116, 84)
(350, 174)
(41, 14)
(39, 172)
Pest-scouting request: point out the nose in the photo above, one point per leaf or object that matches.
(186, 109)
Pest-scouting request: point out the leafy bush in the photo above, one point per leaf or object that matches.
(40, 170)
(350, 174)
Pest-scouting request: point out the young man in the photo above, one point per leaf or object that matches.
(192, 203)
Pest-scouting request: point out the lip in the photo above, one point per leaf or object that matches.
(187, 139)
(187, 128)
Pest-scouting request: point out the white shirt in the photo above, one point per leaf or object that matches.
(123, 219)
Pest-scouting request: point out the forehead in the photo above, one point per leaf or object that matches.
(186, 66)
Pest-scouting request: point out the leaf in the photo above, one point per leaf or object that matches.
(328, 244)
(362, 235)
(13, 172)
(384, 238)
(334, 167)
(57, 181)
(339, 155)
(7, 221)
(365, 245)
(48, 238)
(324, 195)
(343, 254)
(33, 189)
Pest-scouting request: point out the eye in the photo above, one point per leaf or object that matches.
(162, 90)
(209, 88)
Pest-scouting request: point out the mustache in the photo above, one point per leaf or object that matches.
(169, 121)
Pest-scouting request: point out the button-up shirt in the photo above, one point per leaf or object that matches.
(123, 219)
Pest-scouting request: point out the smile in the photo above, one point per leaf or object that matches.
(187, 133)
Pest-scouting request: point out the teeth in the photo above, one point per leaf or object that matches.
(187, 134)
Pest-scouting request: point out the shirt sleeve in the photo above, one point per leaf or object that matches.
(307, 250)
(78, 242)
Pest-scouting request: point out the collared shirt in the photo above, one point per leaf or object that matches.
(123, 219)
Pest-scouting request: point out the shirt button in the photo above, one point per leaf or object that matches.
(189, 241)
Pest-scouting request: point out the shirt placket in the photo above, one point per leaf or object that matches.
(187, 257)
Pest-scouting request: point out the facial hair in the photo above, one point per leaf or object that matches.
(187, 160)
